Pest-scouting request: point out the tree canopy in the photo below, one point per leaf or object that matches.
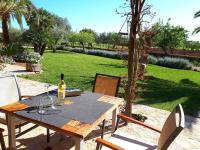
(82, 37)
(169, 36)
(61, 28)
(197, 29)
(39, 33)
(13, 9)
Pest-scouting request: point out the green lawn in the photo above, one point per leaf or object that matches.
(79, 69)
(165, 88)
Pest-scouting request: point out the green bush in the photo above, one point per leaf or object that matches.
(196, 63)
(33, 58)
(11, 49)
(152, 59)
(171, 62)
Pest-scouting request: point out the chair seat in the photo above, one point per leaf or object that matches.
(3, 120)
(129, 142)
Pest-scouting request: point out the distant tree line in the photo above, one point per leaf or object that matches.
(46, 29)
(89, 37)
(169, 37)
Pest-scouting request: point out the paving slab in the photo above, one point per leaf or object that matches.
(15, 69)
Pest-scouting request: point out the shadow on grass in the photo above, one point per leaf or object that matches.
(87, 82)
(113, 65)
(168, 94)
(60, 52)
(162, 91)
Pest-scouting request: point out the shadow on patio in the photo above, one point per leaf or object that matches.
(155, 91)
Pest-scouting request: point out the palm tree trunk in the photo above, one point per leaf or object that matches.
(5, 19)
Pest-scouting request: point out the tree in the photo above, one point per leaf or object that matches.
(197, 29)
(60, 30)
(84, 37)
(13, 9)
(136, 46)
(113, 38)
(15, 35)
(90, 31)
(73, 38)
(169, 36)
(101, 38)
(40, 26)
(193, 45)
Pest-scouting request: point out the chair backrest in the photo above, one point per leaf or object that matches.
(106, 84)
(9, 89)
(172, 127)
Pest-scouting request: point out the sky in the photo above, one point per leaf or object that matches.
(100, 15)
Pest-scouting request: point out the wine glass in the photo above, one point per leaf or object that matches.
(49, 96)
(41, 109)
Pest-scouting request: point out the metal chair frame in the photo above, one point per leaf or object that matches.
(164, 142)
(20, 98)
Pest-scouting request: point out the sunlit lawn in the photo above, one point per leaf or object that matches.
(165, 88)
(79, 69)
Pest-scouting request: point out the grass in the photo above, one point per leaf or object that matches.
(165, 88)
(79, 69)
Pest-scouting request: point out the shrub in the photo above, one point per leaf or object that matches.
(196, 63)
(152, 59)
(171, 62)
(11, 49)
(178, 63)
(103, 53)
(33, 58)
(7, 53)
(20, 57)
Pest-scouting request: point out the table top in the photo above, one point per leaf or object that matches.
(78, 117)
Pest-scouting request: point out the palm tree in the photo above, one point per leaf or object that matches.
(13, 9)
(197, 29)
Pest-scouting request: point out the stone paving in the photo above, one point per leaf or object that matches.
(189, 139)
(15, 69)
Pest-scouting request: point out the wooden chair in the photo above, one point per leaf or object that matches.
(106, 84)
(121, 141)
(3, 146)
(10, 93)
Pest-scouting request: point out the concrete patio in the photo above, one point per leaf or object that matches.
(189, 139)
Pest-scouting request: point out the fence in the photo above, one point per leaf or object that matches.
(175, 52)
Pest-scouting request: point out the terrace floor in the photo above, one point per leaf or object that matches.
(188, 139)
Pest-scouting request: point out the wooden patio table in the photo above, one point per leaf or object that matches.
(76, 118)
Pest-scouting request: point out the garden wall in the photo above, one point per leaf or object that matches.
(119, 54)
(175, 52)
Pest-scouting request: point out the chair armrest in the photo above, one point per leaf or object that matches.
(123, 117)
(25, 96)
(108, 144)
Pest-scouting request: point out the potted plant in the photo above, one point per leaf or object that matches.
(33, 62)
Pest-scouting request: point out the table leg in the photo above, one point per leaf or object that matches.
(114, 116)
(11, 131)
(79, 144)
